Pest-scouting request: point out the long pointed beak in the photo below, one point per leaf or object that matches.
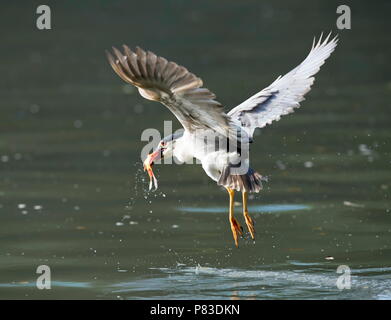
(148, 163)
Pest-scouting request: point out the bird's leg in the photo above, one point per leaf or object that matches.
(235, 226)
(249, 221)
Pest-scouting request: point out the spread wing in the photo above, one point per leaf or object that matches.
(174, 86)
(285, 93)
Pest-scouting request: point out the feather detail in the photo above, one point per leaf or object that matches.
(173, 85)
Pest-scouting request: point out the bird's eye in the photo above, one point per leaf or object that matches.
(162, 144)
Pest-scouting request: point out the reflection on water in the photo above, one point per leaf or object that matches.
(255, 209)
(54, 284)
(72, 190)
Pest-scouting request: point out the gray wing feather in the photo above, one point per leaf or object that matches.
(174, 86)
(285, 93)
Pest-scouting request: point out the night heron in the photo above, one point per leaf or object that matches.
(202, 117)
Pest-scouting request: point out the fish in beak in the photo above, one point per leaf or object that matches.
(148, 163)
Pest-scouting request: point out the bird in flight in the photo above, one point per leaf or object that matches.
(219, 140)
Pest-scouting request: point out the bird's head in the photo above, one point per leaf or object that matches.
(164, 149)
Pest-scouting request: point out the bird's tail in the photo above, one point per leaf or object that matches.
(249, 182)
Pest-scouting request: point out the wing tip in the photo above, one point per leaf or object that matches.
(322, 42)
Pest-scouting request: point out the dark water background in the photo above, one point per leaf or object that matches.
(73, 195)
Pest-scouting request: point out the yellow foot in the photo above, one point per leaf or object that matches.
(236, 230)
(250, 225)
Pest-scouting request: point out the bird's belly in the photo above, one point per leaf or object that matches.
(211, 170)
(214, 162)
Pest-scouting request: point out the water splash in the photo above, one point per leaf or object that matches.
(199, 282)
(139, 189)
